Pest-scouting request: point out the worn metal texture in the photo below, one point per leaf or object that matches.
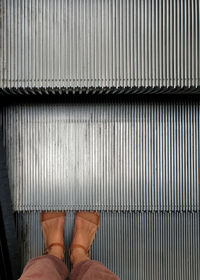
(113, 156)
(64, 43)
(104, 91)
(140, 246)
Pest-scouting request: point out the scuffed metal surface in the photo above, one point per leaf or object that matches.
(51, 43)
(140, 246)
(123, 156)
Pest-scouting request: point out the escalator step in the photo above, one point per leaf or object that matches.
(147, 246)
(99, 43)
(138, 156)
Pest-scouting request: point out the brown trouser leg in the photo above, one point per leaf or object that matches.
(46, 268)
(51, 268)
(88, 270)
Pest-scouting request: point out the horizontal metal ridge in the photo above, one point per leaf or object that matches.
(51, 43)
(12, 92)
(138, 156)
(140, 246)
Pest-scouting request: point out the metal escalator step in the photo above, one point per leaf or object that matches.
(78, 93)
(127, 156)
(99, 43)
(140, 246)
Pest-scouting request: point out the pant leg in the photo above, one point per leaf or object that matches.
(46, 267)
(88, 270)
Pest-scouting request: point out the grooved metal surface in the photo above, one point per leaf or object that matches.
(58, 92)
(140, 246)
(128, 156)
(68, 43)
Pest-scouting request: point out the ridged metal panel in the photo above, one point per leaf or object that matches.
(122, 156)
(26, 92)
(64, 43)
(140, 246)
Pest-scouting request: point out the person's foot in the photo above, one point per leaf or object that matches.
(85, 228)
(53, 228)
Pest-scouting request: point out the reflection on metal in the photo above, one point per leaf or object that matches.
(66, 43)
(58, 92)
(147, 246)
(131, 156)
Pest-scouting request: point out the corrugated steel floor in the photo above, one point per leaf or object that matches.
(48, 43)
(147, 246)
(124, 156)
(139, 157)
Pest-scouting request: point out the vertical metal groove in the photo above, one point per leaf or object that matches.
(138, 156)
(132, 245)
(99, 43)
